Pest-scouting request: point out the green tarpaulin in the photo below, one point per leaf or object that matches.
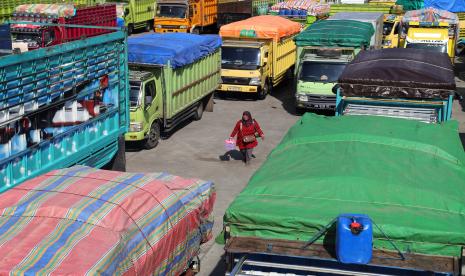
(408, 176)
(336, 33)
(409, 5)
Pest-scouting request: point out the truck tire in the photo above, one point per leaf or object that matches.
(153, 137)
(198, 112)
(130, 29)
(196, 31)
(118, 163)
(149, 26)
(263, 92)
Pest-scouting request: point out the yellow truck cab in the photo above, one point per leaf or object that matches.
(185, 16)
(434, 39)
(391, 30)
(252, 63)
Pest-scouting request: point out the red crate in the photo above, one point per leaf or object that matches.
(100, 15)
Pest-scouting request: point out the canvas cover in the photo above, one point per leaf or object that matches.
(53, 10)
(430, 15)
(399, 73)
(448, 5)
(85, 221)
(176, 49)
(264, 26)
(336, 33)
(407, 176)
(409, 5)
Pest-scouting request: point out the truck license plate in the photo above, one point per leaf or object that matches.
(234, 88)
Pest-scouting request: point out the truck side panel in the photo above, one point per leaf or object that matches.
(209, 12)
(189, 84)
(284, 57)
(101, 15)
(44, 87)
(144, 10)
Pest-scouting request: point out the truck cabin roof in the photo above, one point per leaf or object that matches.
(399, 73)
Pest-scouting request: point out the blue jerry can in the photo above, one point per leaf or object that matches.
(354, 239)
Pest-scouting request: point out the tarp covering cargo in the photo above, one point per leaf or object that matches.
(176, 49)
(58, 10)
(448, 5)
(407, 176)
(430, 15)
(336, 33)
(399, 73)
(84, 221)
(264, 26)
(409, 5)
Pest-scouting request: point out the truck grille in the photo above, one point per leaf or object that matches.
(171, 27)
(322, 99)
(232, 80)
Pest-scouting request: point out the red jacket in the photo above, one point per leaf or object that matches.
(246, 130)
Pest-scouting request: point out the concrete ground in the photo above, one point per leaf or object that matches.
(196, 150)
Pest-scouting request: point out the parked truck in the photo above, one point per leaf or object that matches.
(385, 210)
(430, 29)
(185, 16)
(63, 105)
(137, 14)
(172, 79)
(391, 30)
(412, 84)
(34, 36)
(257, 54)
(236, 10)
(323, 51)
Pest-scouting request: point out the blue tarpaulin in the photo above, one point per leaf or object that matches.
(176, 49)
(448, 5)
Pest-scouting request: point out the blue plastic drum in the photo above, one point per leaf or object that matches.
(354, 239)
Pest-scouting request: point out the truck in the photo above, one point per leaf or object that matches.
(369, 7)
(56, 17)
(236, 10)
(431, 29)
(137, 14)
(64, 105)
(323, 51)
(391, 30)
(404, 83)
(185, 16)
(257, 54)
(353, 195)
(375, 18)
(172, 79)
(7, 6)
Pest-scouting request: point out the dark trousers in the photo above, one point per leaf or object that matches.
(247, 154)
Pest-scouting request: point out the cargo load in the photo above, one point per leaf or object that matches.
(406, 73)
(235, 10)
(409, 5)
(389, 169)
(383, 8)
(172, 78)
(375, 18)
(90, 221)
(265, 26)
(431, 15)
(448, 5)
(336, 33)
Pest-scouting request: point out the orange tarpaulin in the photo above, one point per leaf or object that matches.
(264, 26)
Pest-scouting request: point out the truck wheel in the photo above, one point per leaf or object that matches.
(149, 26)
(153, 136)
(130, 29)
(198, 112)
(196, 31)
(263, 92)
(118, 163)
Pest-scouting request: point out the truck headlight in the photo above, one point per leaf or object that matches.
(255, 81)
(182, 27)
(302, 97)
(136, 126)
(158, 26)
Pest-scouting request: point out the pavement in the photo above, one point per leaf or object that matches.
(196, 150)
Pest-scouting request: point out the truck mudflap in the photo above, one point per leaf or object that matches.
(255, 256)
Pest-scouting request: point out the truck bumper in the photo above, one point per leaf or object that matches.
(162, 30)
(319, 102)
(238, 88)
(134, 136)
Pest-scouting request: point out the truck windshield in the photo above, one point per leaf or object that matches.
(441, 48)
(320, 71)
(134, 93)
(240, 58)
(171, 11)
(32, 39)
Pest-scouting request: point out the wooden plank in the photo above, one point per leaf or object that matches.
(380, 257)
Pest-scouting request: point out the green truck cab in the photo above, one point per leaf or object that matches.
(137, 14)
(317, 74)
(323, 51)
(166, 87)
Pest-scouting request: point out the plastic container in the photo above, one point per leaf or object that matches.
(354, 239)
(229, 144)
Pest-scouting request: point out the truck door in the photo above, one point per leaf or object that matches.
(151, 106)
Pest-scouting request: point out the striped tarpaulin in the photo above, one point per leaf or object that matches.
(87, 221)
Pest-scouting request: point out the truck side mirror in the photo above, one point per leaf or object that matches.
(126, 11)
